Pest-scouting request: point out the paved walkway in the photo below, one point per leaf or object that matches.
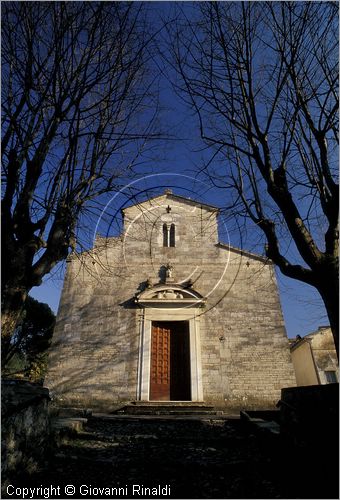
(172, 458)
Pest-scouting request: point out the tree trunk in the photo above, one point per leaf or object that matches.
(13, 301)
(329, 291)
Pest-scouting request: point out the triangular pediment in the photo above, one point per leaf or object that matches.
(168, 197)
(170, 295)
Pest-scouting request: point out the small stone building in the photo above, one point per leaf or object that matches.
(314, 358)
(165, 312)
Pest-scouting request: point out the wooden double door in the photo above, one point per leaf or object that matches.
(170, 361)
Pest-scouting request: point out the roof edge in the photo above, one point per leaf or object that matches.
(245, 253)
(211, 208)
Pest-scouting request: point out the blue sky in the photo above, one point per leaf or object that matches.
(175, 167)
(174, 163)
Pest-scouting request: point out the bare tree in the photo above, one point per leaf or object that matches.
(263, 80)
(77, 111)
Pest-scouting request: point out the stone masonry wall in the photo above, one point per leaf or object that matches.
(244, 348)
(25, 427)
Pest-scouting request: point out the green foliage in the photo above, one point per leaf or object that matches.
(15, 366)
(31, 341)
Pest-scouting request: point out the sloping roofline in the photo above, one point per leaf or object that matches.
(252, 255)
(170, 195)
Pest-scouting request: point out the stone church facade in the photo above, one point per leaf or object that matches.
(165, 312)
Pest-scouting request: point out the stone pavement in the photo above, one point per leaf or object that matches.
(179, 457)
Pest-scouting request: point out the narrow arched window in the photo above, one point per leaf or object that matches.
(172, 235)
(165, 235)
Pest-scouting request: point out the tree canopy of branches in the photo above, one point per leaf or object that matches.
(77, 108)
(31, 340)
(262, 78)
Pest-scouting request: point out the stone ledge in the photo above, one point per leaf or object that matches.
(261, 424)
(73, 424)
(17, 395)
(25, 427)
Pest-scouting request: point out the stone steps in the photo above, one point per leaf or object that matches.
(198, 456)
(163, 428)
(167, 408)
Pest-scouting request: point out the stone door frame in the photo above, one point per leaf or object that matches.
(150, 314)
